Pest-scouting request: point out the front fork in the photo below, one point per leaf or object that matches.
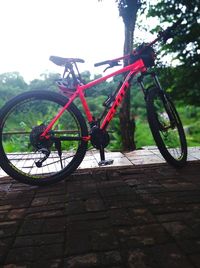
(155, 79)
(161, 93)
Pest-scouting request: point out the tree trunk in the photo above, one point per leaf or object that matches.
(127, 124)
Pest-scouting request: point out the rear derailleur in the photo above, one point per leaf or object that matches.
(43, 145)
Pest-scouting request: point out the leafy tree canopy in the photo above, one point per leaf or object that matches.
(11, 83)
(12, 79)
(185, 46)
(187, 41)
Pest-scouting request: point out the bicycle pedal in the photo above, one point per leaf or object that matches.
(105, 162)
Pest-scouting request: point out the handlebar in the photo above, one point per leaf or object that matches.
(168, 33)
(162, 35)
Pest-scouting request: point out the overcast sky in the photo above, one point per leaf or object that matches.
(32, 30)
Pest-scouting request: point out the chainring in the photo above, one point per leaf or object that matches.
(99, 138)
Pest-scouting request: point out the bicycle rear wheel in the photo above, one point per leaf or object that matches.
(166, 127)
(27, 159)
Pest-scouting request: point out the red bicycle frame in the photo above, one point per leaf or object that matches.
(132, 69)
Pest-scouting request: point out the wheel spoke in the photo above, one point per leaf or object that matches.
(24, 121)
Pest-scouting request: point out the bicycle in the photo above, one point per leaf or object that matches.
(44, 136)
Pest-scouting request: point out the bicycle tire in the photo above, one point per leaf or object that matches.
(17, 153)
(166, 127)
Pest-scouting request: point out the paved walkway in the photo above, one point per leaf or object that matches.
(145, 156)
(141, 215)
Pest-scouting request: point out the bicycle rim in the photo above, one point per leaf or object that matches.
(23, 119)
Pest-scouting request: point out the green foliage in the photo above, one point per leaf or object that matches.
(186, 43)
(185, 47)
(11, 84)
(143, 134)
(183, 83)
(47, 82)
(190, 116)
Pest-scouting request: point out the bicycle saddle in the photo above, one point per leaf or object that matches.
(63, 61)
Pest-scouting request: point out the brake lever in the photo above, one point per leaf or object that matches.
(111, 65)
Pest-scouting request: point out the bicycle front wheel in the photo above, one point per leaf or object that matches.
(166, 127)
(23, 155)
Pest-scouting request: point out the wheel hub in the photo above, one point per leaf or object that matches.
(35, 138)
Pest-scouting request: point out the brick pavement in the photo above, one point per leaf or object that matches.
(144, 216)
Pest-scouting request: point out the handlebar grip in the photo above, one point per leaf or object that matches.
(168, 33)
(178, 22)
(102, 63)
